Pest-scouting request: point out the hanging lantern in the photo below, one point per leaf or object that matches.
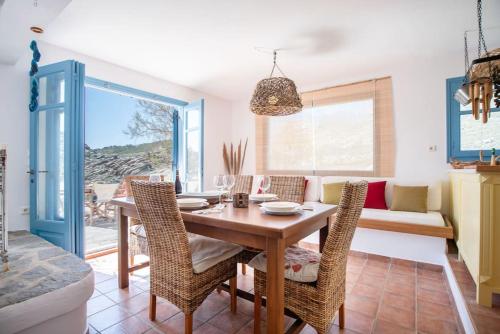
(275, 96)
(482, 78)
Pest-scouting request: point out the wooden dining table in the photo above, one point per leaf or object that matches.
(244, 226)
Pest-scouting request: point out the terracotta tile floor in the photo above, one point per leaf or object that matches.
(485, 320)
(384, 295)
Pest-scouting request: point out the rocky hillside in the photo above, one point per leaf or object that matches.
(111, 164)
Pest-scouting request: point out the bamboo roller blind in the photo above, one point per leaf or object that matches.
(379, 90)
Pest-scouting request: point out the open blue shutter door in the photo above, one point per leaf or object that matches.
(193, 146)
(57, 156)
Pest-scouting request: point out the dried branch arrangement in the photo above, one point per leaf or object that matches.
(234, 158)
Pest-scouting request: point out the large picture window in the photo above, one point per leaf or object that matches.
(467, 136)
(341, 130)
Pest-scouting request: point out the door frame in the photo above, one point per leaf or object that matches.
(71, 227)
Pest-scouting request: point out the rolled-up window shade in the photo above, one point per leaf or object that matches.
(299, 144)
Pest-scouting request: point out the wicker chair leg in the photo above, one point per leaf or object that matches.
(219, 289)
(243, 269)
(152, 307)
(256, 313)
(131, 260)
(341, 316)
(188, 323)
(233, 285)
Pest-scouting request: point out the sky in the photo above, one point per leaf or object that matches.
(106, 117)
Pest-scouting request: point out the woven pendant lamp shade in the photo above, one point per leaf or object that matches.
(275, 96)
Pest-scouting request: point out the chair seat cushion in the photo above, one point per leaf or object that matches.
(301, 265)
(207, 252)
(138, 230)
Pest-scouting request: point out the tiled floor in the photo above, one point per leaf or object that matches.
(383, 296)
(486, 320)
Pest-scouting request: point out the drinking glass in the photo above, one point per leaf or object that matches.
(219, 185)
(229, 181)
(154, 178)
(265, 184)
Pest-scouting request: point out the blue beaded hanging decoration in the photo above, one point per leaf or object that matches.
(34, 69)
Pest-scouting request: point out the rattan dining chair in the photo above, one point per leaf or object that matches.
(138, 245)
(178, 272)
(317, 300)
(288, 188)
(242, 184)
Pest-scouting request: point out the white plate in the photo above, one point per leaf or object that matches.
(262, 197)
(280, 206)
(197, 207)
(190, 201)
(204, 194)
(281, 213)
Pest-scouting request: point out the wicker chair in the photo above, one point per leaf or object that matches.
(288, 188)
(317, 302)
(174, 275)
(242, 184)
(138, 245)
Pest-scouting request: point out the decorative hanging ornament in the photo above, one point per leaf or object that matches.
(34, 69)
(482, 76)
(275, 96)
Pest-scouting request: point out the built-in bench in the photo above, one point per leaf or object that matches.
(46, 289)
(407, 235)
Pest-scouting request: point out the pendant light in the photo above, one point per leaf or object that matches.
(482, 76)
(275, 96)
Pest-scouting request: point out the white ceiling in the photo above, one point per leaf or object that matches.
(209, 45)
(16, 17)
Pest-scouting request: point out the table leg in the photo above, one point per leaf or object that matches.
(275, 283)
(122, 221)
(323, 234)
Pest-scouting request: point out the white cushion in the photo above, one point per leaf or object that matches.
(433, 195)
(313, 189)
(205, 252)
(301, 265)
(432, 218)
(138, 230)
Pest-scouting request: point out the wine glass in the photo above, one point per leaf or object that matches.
(219, 185)
(265, 184)
(154, 178)
(229, 181)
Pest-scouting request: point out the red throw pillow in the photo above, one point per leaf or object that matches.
(375, 196)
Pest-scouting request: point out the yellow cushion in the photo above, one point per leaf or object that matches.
(413, 199)
(332, 192)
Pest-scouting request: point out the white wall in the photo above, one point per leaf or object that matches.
(14, 132)
(14, 118)
(419, 92)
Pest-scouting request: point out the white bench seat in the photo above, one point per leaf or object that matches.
(431, 218)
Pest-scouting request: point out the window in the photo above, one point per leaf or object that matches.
(467, 136)
(341, 130)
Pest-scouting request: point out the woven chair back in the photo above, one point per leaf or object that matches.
(242, 184)
(288, 188)
(332, 269)
(168, 243)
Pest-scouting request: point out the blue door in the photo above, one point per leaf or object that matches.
(56, 156)
(192, 140)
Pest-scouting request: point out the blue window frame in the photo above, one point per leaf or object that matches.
(466, 136)
(181, 138)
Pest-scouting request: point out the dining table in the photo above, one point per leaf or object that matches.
(249, 227)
